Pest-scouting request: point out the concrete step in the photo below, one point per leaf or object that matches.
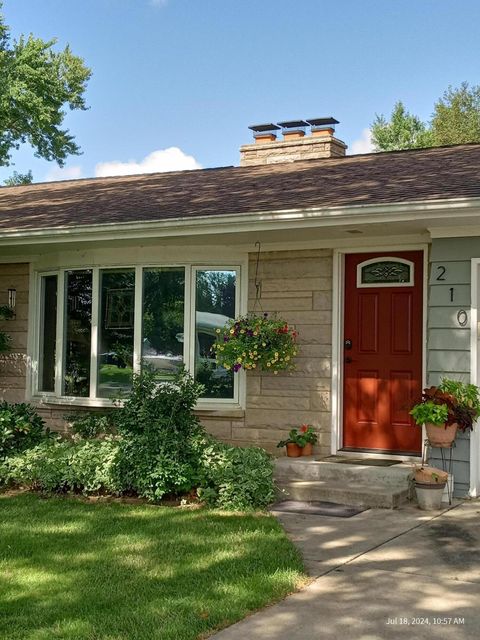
(308, 468)
(379, 497)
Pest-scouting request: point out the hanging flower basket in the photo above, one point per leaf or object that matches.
(256, 342)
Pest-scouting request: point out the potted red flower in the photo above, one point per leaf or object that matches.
(300, 441)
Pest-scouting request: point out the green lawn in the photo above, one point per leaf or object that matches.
(112, 571)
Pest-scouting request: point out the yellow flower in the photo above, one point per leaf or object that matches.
(264, 344)
(276, 354)
(275, 373)
(269, 364)
(254, 353)
(232, 331)
(217, 330)
(255, 333)
(239, 360)
(287, 358)
(226, 366)
(254, 366)
(242, 330)
(244, 354)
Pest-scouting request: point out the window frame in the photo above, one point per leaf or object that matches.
(191, 268)
(370, 285)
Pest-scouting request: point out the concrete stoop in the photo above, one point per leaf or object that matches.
(308, 479)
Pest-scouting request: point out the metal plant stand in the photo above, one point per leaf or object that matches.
(446, 455)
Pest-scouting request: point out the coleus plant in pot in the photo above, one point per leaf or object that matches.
(444, 409)
(300, 441)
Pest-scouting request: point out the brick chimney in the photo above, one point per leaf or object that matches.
(297, 144)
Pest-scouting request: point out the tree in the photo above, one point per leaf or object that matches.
(36, 83)
(17, 179)
(402, 131)
(456, 119)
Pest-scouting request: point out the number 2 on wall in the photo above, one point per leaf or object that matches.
(442, 271)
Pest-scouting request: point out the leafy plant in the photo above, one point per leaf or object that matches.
(253, 342)
(20, 428)
(235, 478)
(91, 424)
(157, 425)
(460, 402)
(430, 412)
(88, 467)
(301, 437)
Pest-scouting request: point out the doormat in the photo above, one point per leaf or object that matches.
(318, 508)
(367, 462)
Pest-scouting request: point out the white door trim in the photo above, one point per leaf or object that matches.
(474, 491)
(337, 338)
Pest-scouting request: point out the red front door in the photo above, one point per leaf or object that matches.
(382, 351)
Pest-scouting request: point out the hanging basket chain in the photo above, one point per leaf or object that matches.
(258, 283)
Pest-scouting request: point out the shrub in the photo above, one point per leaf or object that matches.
(157, 426)
(91, 424)
(235, 478)
(88, 467)
(20, 428)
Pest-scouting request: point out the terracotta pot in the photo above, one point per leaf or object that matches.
(441, 436)
(293, 450)
(307, 449)
(430, 475)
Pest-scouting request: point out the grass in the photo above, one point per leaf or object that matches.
(79, 570)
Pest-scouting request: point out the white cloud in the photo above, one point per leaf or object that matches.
(161, 160)
(65, 173)
(364, 144)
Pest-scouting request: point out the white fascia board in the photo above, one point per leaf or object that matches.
(461, 231)
(256, 221)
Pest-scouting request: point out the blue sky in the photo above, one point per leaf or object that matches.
(193, 74)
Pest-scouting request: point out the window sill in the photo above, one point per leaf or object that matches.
(202, 409)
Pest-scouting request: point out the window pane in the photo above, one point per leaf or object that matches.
(163, 313)
(115, 349)
(215, 305)
(385, 272)
(78, 327)
(48, 334)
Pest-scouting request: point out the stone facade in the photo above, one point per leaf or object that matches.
(13, 363)
(298, 286)
(308, 148)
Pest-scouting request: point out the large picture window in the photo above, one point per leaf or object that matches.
(114, 322)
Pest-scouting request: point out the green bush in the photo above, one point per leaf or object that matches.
(88, 466)
(235, 478)
(157, 427)
(20, 428)
(91, 424)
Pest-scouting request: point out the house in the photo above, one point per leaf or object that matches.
(374, 258)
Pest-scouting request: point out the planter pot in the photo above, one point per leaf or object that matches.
(441, 436)
(307, 449)
(429, 496)
(430, 475)
(293, 450)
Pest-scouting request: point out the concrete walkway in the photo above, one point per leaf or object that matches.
(379, 575)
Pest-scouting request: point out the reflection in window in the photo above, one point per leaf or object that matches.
(78, 327)
(163, 315)
(215, 305)
(48, 334)
(115, 354)
(385, 272)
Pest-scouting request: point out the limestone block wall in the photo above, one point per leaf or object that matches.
(297, 286)
(13, 363)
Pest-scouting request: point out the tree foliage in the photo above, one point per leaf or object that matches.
(402, 131)
(455, 120)
(17, 179)
(36, 84)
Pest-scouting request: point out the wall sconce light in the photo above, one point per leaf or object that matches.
(12, 300)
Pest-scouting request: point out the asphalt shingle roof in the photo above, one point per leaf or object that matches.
(404, 176)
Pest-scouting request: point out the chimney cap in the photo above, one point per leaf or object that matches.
(320, 122)
(293, 124)
(259, 128)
